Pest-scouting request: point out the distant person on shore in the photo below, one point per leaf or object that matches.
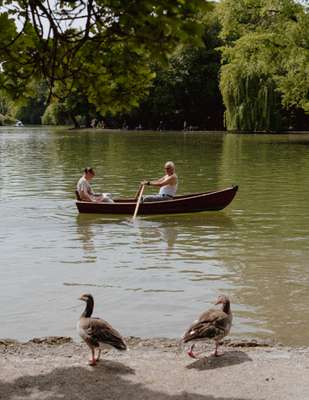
(167, 184)
(85, 192)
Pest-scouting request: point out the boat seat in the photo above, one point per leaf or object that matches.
(77, 195)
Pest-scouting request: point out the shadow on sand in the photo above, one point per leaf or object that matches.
(211, 362)
(109, 381)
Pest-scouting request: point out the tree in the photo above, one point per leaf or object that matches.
(6, 110)
(248, 87)
(74, 109)
(102, 48)
(6, 106)
(293, 77)
(30, 109)
(186, 90)
(265, 62)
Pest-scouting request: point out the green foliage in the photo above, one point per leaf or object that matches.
(293, 78)
(247, 84)
(6, 106)
(187, 88)
(55, 114)
(6, 120)
(7, 110)
(107, 58)
(265, 61)
(72, 109)
(32, 107)
(252, 104)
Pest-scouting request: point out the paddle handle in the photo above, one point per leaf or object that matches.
(138, 192)
(138, 201)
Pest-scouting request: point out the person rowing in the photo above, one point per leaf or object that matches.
(167, 184)
(85, 191)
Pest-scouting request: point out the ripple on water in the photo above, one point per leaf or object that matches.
(158, 273)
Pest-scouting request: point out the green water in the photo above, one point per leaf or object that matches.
(154, 277)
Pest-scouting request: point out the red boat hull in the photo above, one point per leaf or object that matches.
(208, 201)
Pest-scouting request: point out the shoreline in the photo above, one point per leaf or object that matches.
(121, 130)
(53, 368)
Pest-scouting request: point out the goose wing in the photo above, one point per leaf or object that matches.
(211, 324)
(102, 331)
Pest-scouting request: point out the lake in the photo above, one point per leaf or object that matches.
(155, 276)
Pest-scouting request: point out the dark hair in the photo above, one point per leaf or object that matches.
(89, 170)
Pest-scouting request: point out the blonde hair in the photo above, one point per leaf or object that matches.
(170, 164)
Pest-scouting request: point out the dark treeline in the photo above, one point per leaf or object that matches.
(186, 93)
(247, 69)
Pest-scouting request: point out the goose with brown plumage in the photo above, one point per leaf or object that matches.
(96, 331)
(213, 324)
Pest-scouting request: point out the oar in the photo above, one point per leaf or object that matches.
(138, 192)
(138, 201)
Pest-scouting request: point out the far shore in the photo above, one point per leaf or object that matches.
(152, 369)
(122, 130)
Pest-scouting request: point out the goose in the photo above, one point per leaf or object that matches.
(213, 324)
(95, 331)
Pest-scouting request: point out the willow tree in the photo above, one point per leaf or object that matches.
(247, 85)
(262, 38)
(101, 48)
(293, 78)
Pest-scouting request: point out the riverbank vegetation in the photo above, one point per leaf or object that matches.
(235, 64)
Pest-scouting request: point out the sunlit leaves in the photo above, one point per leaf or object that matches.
(102, 48)
(265, 57)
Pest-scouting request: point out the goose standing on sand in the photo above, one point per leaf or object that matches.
(213, 324)
(95, 331)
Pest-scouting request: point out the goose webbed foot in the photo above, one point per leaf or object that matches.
(196, 355)
(93, 360)
(99, 355)
(217, 353)
(190, 352)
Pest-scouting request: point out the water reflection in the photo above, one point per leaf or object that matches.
(169, 235)
(87, 228)
(85, 235)
(171, 267)
(146, 231)
(151, 232)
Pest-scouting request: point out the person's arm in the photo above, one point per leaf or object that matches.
(85, 194)
(165, 180)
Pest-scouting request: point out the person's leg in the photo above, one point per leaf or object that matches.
(153, 197)
(107, 198)
(103, 198)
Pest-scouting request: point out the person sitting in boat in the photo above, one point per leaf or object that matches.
(167, 184)
(85, 192)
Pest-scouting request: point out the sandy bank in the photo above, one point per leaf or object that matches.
(56, 368)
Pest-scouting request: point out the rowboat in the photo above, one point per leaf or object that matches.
(189, 203)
